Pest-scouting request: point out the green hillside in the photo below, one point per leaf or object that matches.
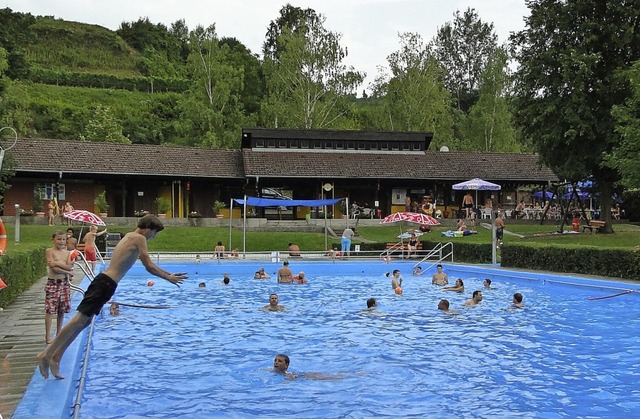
(71, 46)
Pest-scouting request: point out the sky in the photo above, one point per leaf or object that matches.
(369, 28)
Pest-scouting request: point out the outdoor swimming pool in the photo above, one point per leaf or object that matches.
(210, 355)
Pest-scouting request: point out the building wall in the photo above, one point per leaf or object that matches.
(81, 196)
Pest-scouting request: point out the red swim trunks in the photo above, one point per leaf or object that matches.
(90, 253)
(57, 296)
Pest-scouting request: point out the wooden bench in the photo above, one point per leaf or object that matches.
(594, 224)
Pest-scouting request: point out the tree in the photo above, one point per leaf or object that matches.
(291, 20)
(463, 48)
(626, 156)
(216, 89)
(308, 86)
(15, 36)
(571, 55)
(490, 121)
(104, 127)
(413, 97)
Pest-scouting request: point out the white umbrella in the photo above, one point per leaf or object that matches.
(476, 185)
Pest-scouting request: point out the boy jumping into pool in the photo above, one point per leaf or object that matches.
(101, 289)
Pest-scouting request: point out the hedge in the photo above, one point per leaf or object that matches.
(107, 81)
(590, 261)
(20, 271)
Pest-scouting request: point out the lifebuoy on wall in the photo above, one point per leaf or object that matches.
(3, 238)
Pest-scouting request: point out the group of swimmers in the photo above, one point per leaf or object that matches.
(442, 279)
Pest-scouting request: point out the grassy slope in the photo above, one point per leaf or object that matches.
(81, 47)
(203, 239)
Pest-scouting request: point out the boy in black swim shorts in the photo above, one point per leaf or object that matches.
(132, 247)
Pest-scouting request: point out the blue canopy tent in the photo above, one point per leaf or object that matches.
(270, 202)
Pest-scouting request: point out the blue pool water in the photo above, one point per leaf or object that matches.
(210, 355)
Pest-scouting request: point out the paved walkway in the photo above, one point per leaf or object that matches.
(21, 338)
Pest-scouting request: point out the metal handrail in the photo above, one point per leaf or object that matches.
(438, 249)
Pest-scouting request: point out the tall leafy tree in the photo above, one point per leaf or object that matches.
(216, 89)
(308, 85)
(626, 156)
(463, 48)
(571, 55)
(291, 20)
(253, 77)
(413, 96)
(490, 124)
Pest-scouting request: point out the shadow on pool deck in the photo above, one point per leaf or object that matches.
(21, 338)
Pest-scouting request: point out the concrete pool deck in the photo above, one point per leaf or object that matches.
(22, 337)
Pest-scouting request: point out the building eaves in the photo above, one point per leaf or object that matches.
(453, 166)
(83, 157)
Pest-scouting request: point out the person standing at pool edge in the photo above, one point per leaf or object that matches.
(132, 247)
(345, 243)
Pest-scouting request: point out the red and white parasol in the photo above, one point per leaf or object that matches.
(411, 217)
(84, 216)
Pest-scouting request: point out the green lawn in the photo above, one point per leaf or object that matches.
(203, 239)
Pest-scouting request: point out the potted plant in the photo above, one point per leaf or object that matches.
(217, 208)
(102, 204)
(37, 204)
(164, 206)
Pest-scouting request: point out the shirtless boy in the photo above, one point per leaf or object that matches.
(133, 246)
(439, 278)
(90, 245)
(57, 299)
(396, 280)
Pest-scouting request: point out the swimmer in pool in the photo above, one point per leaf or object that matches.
(226, 279)
(396, 281)
(281, 366)
(457, 287)
(443, 305)
(372, 304)
(487, 283)
(517, 300)
(475, 299)
(273, 304)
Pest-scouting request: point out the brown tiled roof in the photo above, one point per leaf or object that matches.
(79, 157)
(454, 166)
(46, 156)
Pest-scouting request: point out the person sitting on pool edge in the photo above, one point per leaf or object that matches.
(294, 250)
(457, 287)
(273, 304)
(132, 247)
